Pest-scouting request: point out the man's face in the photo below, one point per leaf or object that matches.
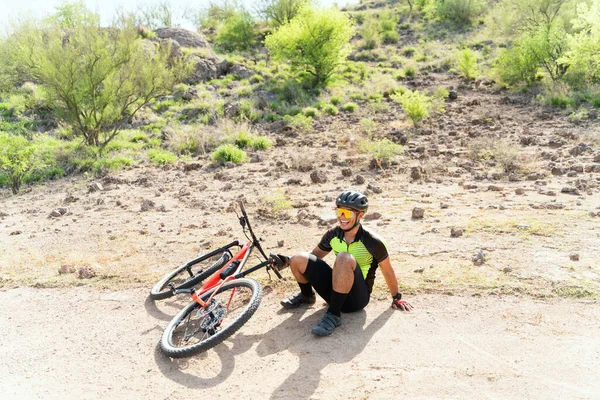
(347, 218)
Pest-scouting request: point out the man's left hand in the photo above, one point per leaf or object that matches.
(399, 304)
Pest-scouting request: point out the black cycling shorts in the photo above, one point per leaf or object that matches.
(319, 274)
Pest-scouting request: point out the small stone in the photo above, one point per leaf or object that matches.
(3, 214)
(469, 186)
(318, 177)
(147, 205)
(55, 214)
(507, 270)
(372, 216)
(597, 157)
(374, 189)
(495, 188)
(416, 173)
(346, 172)
(192, 167)
(574, 256)
(456, 232)
(359, 179)
(419, 270)
(520, 191)
(570, 190)
(95, 187)
(67, 269)
(444, 206)
(14, 233)
(86, 272)
(479, 258)
(280, 243)
(418, 213)
(452, 94)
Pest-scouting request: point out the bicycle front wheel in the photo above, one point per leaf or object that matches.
(185, 277)
(196, 329)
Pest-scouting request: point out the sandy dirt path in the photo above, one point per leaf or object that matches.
(87, 344)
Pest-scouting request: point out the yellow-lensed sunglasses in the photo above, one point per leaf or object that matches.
(348, 214)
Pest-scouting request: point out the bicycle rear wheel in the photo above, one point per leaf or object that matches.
(196, 329)
(186, 277)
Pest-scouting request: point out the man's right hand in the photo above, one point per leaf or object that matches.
(279, 261)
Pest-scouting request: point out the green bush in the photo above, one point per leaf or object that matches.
(370, 35)
(467, 63)
(315, 40)
(416, 105)
(331, 109)
(237, 32)
(335, 100)
(350, 107)
(18, 159)
(97, 79)
(310, 112)
(300, 122)
(280, 12)
(585, 43)
(390, 37)
(261, 143)
(382, 151)
(462, 12)
(367, 125)
(161, 157)
(229, 153)
(410, 71)
(516, 65)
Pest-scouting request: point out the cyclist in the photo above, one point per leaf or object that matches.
(347, 286)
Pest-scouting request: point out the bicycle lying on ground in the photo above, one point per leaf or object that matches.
(221, 305)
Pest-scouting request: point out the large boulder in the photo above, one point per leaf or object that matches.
(186, 38)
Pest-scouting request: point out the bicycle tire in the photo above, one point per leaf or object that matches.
(210, 329)
(161, 289)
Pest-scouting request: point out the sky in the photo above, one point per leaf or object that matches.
(11, 9)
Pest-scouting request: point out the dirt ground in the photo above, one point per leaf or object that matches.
(503, 267)
(91, 344)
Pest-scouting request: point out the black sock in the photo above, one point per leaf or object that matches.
(336, 303)
(306, 289)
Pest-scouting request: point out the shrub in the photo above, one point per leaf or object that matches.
(382, 151)
(367, 125)
(350, 107)
(462, 12)
(261, 143)
(310, 112)
(97, 78)
(237, 32)
(410, 71)
(390, 37)
(330, 109)
(17, 159)
(585, 44)
(161, 156)
(300, 122)
(416, 105)
(316, 41)
(229, 153)
(336, 101)
(280, 12)
(370, 35)
(467, 63)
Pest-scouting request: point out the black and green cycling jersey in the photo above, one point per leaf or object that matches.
(368, 249)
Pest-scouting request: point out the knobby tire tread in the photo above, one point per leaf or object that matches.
(220, 336)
